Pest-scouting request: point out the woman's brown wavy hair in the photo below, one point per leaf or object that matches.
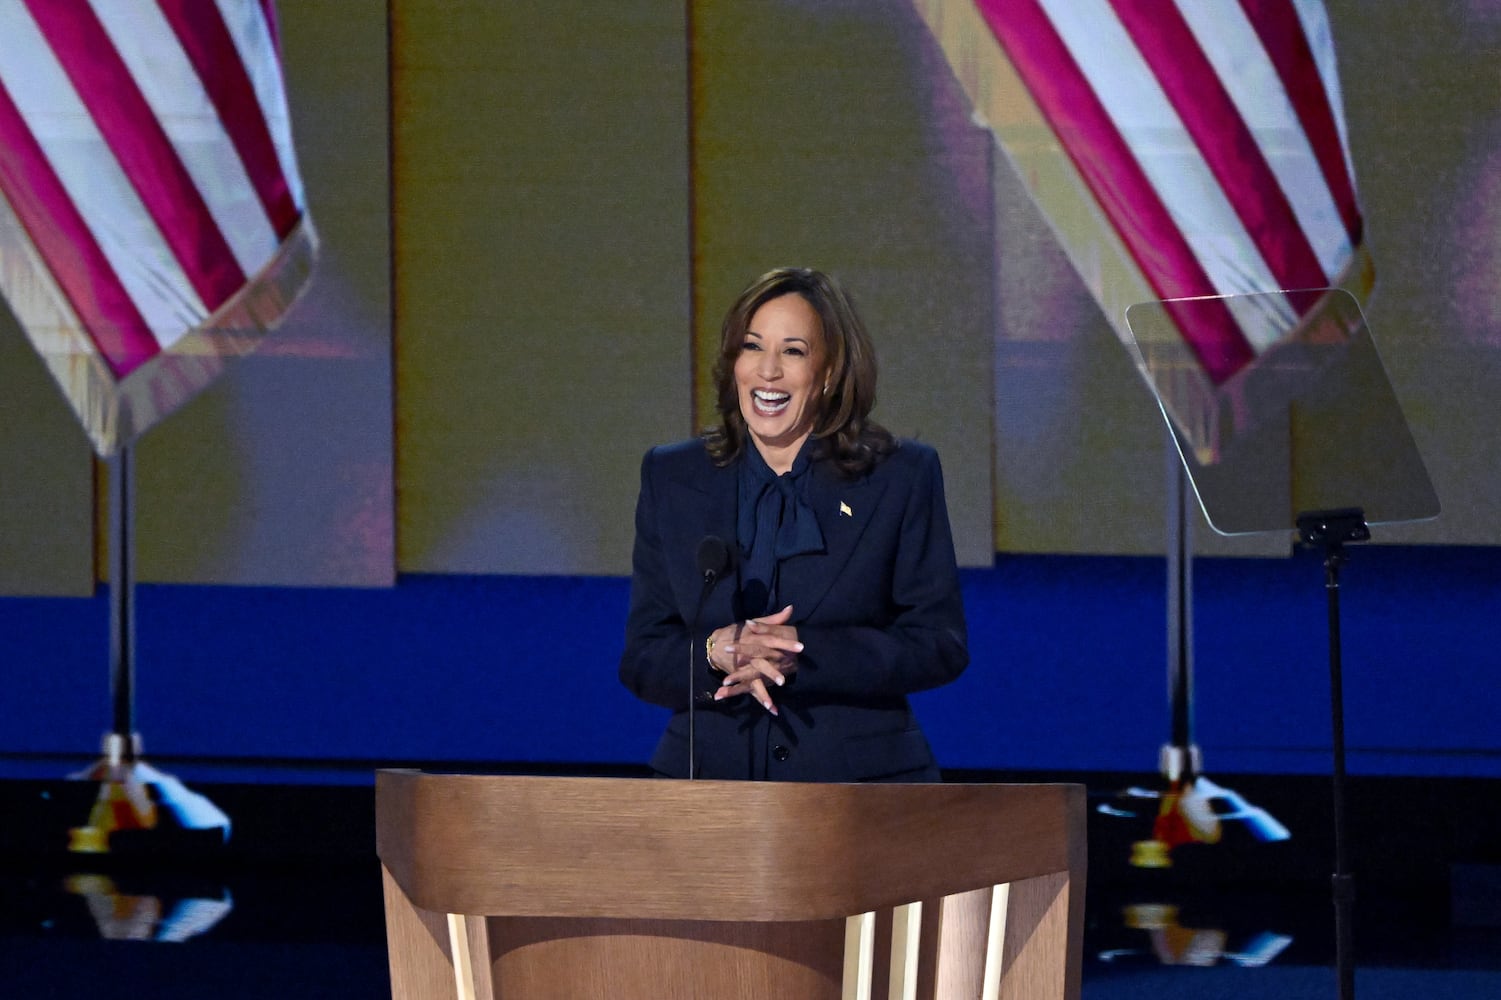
(847, 435)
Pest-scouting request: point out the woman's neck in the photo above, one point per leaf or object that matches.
(779, 457)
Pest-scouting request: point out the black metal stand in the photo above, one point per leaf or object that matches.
(1331, 530)
(715, 559)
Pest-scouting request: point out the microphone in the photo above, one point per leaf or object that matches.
(715, 560)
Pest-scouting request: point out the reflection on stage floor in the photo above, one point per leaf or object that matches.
(292, 908)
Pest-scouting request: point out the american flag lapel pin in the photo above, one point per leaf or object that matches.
(844, 510)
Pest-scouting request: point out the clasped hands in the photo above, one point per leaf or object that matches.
(753, 652)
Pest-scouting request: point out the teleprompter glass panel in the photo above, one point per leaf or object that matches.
(1280, 405)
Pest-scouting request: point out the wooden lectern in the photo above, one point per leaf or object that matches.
(519, 888)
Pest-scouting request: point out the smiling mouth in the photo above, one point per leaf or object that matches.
(770, 402)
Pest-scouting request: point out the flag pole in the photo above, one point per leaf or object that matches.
(123, 742)
(135, 800)
(1179, 760)
(1183, 808)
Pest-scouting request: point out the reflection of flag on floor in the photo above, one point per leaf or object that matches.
(152, 221)
(1177, 149)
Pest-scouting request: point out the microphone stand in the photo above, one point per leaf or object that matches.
(714, 560)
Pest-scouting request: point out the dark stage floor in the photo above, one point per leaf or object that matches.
(292, 907)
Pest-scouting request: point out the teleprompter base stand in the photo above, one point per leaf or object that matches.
(1331, 530)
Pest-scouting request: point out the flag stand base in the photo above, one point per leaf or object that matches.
(1188, 808)
(140, 809)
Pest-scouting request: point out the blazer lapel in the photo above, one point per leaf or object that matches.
(844, 509)
(703, 504)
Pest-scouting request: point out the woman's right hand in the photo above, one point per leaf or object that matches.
(749, 658)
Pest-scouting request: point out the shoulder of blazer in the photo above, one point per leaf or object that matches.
(910, 455)
(681, 460)
(910, 460)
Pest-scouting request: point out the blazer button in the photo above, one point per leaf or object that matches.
(780, 752)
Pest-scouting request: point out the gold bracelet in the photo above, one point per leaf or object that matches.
(709, 651)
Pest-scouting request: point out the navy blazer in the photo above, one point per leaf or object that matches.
(879, 615)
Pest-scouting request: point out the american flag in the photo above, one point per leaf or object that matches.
(1191, 151)
(152, 220)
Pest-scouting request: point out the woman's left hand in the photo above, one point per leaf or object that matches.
(766, 650)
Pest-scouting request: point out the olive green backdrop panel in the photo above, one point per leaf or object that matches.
(542, 277)
(832, 136)
(280, 472)
(1423, 100)
(46, 478)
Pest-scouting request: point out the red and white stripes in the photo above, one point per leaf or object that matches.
(151, 214)
(1208, 136)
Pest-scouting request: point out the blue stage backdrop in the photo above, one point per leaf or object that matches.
(1068, 670)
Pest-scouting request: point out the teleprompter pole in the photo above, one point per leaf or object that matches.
(1331, 530)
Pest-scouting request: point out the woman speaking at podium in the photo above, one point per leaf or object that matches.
(793, 565)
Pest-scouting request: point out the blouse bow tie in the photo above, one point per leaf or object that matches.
(775, 522)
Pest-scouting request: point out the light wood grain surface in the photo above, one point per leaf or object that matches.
(526, 887)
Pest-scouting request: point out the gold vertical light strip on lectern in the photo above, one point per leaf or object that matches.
(906, 934)
(859, 955)
(463, 963)
(995, 942)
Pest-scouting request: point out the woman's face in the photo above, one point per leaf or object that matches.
(779, 373)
